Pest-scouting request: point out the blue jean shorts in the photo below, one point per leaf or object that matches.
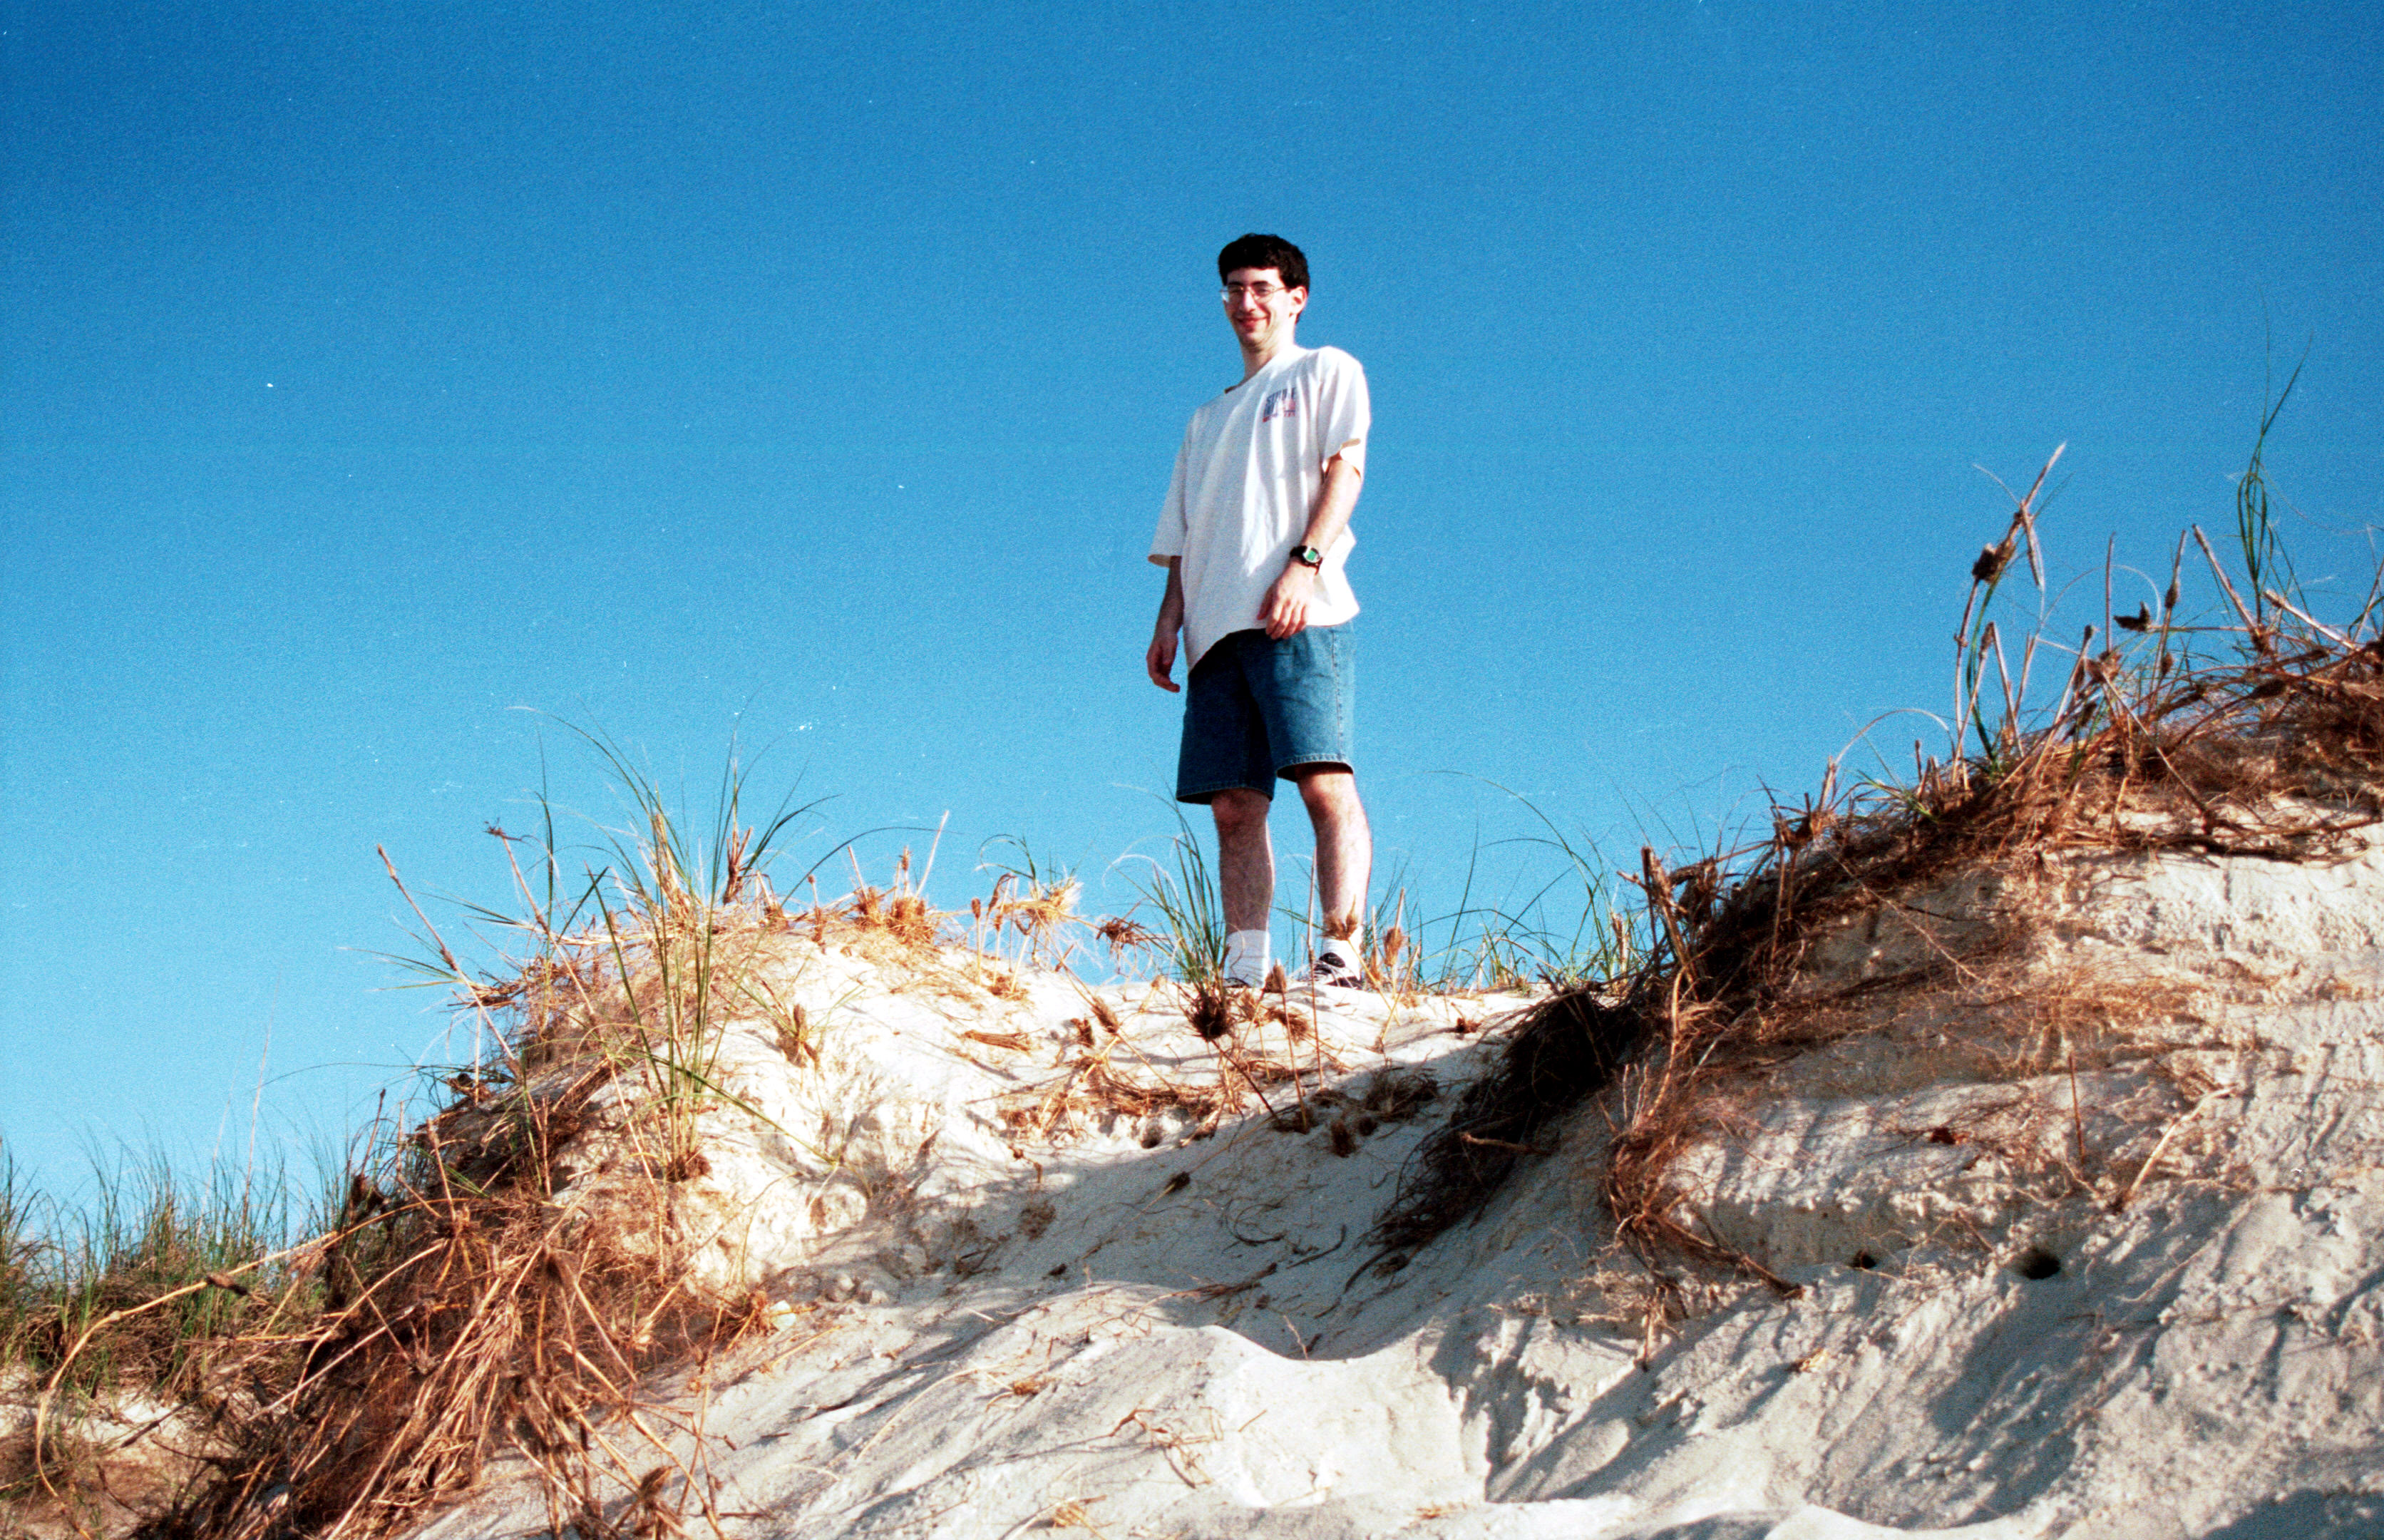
(1256, 709)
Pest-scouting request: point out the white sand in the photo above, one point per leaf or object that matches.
(1128, 1333)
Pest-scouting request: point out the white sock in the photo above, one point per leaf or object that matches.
(1342, 952)
(1245, 957)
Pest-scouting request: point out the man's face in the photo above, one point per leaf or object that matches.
(1262, 310)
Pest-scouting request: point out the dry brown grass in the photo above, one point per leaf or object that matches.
(466, 1314)
(2275, 750)
(466, 1318)
(1109, 1078)
(487, 1329)
(97, 1473)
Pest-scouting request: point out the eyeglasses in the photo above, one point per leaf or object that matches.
(1259, 292)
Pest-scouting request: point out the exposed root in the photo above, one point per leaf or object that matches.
(1559, 1051)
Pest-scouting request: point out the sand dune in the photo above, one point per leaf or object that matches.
(2084, 1238)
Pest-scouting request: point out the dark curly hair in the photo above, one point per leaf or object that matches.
(1264, 250)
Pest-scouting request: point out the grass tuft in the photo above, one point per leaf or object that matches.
(154, 1299)
(1190, 925)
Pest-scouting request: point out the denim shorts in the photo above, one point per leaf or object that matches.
(1256, 709)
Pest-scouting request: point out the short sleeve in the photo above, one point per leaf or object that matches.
(1167, 538)
(1344, 413)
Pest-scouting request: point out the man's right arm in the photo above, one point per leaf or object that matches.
(1159, 661)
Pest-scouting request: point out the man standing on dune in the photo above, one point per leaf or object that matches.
(1255, 537)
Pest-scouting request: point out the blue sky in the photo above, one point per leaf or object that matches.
(813, 373)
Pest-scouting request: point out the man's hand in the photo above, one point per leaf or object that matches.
(1285, 611)
(1160, 662)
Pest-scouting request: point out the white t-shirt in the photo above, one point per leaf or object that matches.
(1245, 480)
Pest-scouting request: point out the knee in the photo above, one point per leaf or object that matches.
(1330, 795)
(1238, 814)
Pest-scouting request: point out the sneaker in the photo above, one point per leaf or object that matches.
(1333, 973)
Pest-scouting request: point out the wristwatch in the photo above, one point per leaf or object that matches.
(1308, 555)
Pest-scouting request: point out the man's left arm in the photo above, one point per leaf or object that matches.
(1283, 612)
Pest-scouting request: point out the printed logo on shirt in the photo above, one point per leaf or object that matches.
(1283, 403)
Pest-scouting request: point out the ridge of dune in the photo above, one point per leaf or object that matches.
(2084, 1238)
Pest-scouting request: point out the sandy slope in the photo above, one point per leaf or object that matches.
(1127, 1329)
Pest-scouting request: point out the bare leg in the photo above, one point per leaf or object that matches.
(1245, 858)
(1345, 847)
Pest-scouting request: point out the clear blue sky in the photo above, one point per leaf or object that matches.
(813, 373)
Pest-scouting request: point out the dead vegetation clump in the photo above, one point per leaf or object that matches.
(491, 1286)
(1109, 1079)
(2271, 747)
(900, 916)
(1096, 1088)
(463, 1324)
(474, 1304)
(1559, 1050)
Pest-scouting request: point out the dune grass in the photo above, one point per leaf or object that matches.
(20, 1254)
(303, 1365)
(1567, 929)
(463, 1312)
(2256, 729)
(153, 1295)
(69, 1273)
(1190, 913)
